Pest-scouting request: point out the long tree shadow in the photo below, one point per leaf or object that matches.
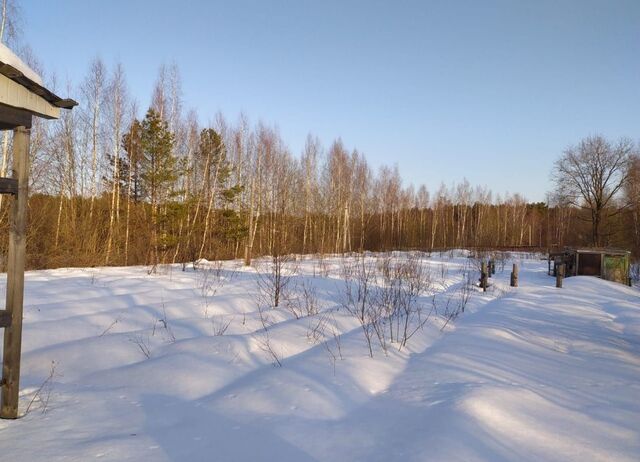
(188, 431)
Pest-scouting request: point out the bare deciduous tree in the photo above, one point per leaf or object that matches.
(591, 175)
(632, 196)
(117, 104)
(93, 92)
(274, 279)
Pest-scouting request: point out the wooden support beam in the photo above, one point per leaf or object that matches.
(16, 95)
(66, 103)
(8, 186)
(12, 117)
(15, 277)
(5, 318)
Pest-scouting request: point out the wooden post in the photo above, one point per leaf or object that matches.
(15, 277)
(559, 275)
(514, 276)
(483, 276)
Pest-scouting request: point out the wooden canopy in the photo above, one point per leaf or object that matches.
(22, 94)
(607, 263)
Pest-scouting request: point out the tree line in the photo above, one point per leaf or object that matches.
(113, 185)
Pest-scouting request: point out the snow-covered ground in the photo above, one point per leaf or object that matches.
(533, 373)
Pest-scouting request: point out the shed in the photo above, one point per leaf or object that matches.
(606, 263)
(22, 96)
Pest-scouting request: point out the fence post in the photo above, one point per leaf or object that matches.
(514, 276)
(559, 275)
(483, 276)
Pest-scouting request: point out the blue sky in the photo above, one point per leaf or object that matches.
(492, 91)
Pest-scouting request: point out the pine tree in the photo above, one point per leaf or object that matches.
(158, 173)
(130, 166)
(216, 172)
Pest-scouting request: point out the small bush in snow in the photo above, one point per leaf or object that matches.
(142, 342)
(274, 279)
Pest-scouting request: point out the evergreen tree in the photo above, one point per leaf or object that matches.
(130, 166)
(216, 173)
(158, 173)
(158, 166)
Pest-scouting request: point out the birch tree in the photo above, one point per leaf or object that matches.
(117, 107)
(93, 91)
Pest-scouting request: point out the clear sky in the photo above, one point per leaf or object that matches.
(488, 90)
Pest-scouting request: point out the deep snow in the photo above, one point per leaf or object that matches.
(533, 373)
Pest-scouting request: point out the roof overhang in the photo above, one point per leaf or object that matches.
(22, 93)
(14, 95)
(607, 251)
(596, 250)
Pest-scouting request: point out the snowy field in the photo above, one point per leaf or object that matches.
(194, 366)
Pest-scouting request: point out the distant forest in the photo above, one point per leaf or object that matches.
(115, 184)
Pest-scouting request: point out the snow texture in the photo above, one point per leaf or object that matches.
(527, 374)
(8, 57)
